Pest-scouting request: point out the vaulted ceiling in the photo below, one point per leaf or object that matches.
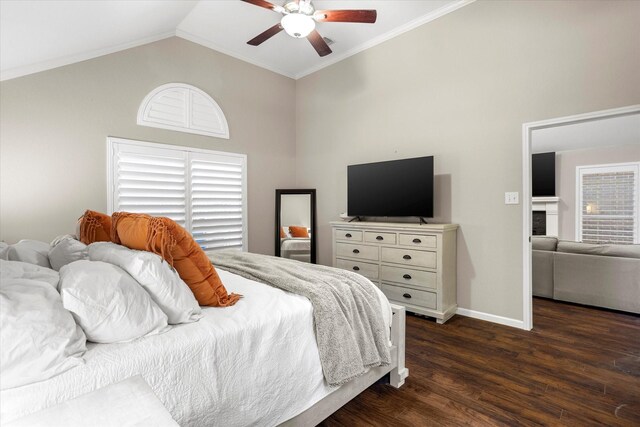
(44, 34)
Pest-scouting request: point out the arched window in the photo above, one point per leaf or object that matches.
(183, 108)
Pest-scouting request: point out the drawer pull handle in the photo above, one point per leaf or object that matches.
(348, 235)
(355, 251)
(417, 241)
(406, 276)
(407, 295)
(356, 268)
(407, 257)
(379, 238)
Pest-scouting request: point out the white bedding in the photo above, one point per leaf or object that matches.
(255, 363)
(295, 244)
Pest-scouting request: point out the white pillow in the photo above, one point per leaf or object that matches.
(24, 270)
(39, 337)
(156, 276)
(108, 304)
(31, 251)
(60, 238)
(65, 251)
(4, 251)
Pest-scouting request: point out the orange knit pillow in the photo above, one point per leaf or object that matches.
(282, 233)
(298, 231)
(166, 238)
(94, 227)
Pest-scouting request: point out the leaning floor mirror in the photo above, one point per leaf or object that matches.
(296, 225)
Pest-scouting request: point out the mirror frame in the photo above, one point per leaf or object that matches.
(314, 231)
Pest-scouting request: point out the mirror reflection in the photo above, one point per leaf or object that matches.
(295, 234)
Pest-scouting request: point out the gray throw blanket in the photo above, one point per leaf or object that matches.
(346, 310)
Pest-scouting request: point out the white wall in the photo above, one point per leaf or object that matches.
(460, 88)
(54, 126)
(295, 209)
(566, 164)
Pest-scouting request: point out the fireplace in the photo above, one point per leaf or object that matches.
(539, 223)
(544, 220)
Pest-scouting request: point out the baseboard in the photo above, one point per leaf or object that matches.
(507, 321)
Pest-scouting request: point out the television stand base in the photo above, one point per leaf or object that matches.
(422, 221)
(356, 218)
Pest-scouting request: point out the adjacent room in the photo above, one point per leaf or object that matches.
(319, 212)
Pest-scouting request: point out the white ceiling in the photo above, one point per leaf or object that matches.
(37, 35)
(606, 132)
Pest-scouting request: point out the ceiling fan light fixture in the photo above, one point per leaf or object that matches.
(298, 25)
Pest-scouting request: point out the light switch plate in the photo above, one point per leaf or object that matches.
(511, 198)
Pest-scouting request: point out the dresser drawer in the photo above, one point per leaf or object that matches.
(348, 235)
(410, 296)
(357, 251)
(368, 270)
(375, 237)
(407, 276)
(409, 257)
(418, 240)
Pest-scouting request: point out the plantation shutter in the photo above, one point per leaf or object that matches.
(217, 200)
(203, 191)
(608, 197)
(150, 180)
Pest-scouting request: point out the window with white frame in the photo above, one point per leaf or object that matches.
(202, 190)
(608, 203)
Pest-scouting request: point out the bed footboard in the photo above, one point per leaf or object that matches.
(397, 374)
(398, 339)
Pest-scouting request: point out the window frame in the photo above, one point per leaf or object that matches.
(604, 168)
(111, 141)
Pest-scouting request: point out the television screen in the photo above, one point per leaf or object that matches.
(543, 174)
(393, 188)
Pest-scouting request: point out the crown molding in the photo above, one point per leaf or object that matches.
(16, 72)
(59, 62)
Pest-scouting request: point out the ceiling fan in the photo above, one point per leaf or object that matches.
(300, 19)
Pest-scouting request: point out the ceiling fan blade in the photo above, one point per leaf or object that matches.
(265, 4)
(318, 43)
(361, 16)
(265, 35)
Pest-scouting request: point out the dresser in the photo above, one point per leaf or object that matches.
(413, 264)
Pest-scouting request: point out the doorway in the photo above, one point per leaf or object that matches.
(528, 132)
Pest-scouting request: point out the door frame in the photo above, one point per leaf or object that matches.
(527, 131)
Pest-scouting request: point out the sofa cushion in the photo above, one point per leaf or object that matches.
(601, 281)
(624, 251)
(542, 273)
(544, 243)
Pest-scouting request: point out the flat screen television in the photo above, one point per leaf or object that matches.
(543, 174)
(394, 188)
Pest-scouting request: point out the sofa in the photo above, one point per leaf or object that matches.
(604, 275)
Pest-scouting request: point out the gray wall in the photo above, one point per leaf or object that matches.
(566, 163)
(460, 88)
(55, 124)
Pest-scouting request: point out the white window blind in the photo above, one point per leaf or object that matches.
(217, 214)
(608, 203)
(204, 191)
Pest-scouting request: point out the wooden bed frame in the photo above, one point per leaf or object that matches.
(396, 370)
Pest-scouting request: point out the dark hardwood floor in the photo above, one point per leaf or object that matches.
(579, 366)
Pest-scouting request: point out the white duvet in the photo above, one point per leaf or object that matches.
(255, 363)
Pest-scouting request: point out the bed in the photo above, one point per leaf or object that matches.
(256, 363)
(298, 248)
